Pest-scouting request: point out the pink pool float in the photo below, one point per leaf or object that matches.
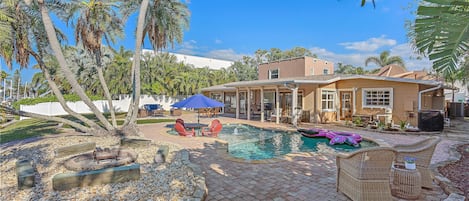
(334, 136)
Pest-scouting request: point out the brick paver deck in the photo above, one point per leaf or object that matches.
(305, 176)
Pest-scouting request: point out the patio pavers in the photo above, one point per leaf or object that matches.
(308, 176)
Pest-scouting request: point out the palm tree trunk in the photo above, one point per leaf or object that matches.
(105, 88)
(132, 114)
(49, 118)
(59, 95)
(55, 45)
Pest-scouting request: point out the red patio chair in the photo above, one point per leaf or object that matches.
(181, 129)
(213, 130)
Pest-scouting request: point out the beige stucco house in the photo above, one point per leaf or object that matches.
(305, 89)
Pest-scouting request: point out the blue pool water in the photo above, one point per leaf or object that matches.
(252, 143)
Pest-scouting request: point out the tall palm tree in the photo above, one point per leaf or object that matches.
(384, 59)
(20, 47)
(67, 72)
(163, 21)
(441, 31)
(96, 20)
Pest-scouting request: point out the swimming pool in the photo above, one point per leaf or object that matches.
(252, 143)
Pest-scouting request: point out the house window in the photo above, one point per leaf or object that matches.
(326, 71)
(377, 97)
(273, 74)
(327, 100)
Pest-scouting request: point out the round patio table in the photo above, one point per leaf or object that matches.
(195, 126)
(406, 183)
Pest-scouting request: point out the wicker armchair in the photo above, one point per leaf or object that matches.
(422, 151)
(365, 174)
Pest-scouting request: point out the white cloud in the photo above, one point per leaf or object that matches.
(218, 41)
(225, 54)
(358, 59)
(369, 45)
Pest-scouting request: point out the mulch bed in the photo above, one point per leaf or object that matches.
(458, 172)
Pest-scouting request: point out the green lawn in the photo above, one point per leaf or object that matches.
(28, 128)
(33, 127)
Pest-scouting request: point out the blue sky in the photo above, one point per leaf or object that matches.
(335, 30)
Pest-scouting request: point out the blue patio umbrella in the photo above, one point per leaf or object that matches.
(198, 101)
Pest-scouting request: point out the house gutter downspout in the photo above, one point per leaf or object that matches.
(427, 90)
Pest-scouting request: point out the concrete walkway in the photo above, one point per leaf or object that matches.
(304, 176)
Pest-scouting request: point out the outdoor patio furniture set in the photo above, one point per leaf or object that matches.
(378, 173)
(188, 130)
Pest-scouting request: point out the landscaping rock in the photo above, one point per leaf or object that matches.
(75, 149)
(161, 154)
(455, 197)
(25, 174)
(67, 181)
(135, 142)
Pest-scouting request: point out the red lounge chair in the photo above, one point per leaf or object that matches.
(181, 129)
(213, 130)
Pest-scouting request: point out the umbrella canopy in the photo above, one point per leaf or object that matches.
(198, 101)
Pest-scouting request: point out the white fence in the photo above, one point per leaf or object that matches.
(121, 105)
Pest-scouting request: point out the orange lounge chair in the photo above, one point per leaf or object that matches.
(213, 130)
(181, 129)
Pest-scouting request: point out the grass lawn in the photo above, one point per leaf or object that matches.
(34, 127)
(28, 128)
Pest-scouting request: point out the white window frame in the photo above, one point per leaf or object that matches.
(391, 97)
(334, 95)
(270, 73)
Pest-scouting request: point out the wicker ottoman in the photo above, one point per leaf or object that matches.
(406, 183)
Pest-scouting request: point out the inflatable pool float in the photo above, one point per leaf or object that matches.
(313, 132)
(347, 138)
(334, 137)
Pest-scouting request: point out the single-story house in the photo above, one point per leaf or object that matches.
(327, 97)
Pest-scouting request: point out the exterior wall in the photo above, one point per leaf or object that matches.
(287, 68)
(308, 100)
(296, 67)
(325, 116)
(314, 66)
(405, 98)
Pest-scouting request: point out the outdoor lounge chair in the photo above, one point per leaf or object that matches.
(213, 130)
(365, 174)
(422, 151)
(181, 129)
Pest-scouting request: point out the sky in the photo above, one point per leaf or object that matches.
(340, 31)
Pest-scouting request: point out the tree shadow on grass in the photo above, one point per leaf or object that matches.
(35, 130)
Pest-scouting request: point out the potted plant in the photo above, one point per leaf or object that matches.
(381, 125)
(409, 162)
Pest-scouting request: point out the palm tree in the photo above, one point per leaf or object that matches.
(441, 31)
(19, 49)
(118, 72)
(163, 21)
(384, 59)
(67, 72)
(97, 20)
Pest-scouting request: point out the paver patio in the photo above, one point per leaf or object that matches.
(304, 176)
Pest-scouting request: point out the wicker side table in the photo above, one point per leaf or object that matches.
(406, 183)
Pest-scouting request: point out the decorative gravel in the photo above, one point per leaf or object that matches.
(169, 181)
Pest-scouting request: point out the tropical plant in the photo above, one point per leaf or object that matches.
(441, 31)
(384, 59)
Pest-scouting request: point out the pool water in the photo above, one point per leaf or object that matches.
(252, 143)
